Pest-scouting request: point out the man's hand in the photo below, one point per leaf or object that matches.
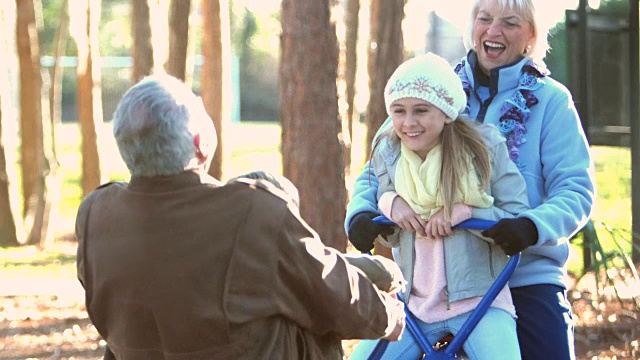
(513, 235)
(383, 273)
(363, 231)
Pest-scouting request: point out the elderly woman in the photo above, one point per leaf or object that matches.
(507, 84)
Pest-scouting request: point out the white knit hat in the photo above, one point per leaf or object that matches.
(430, 78)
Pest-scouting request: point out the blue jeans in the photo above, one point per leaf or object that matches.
(493, 338)
(545, 326)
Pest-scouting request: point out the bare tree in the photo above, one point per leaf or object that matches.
(8, 230)
(386, 53)
(351, 65)
(89, 92)
(11, 225)
(176, 64)
(215, 82)
(55, 101)
(32, 154)
(35, 164)
(52, 115)
(311, 152)
(142, 50)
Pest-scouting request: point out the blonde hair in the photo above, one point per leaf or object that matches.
(458, 140)
(527, 10)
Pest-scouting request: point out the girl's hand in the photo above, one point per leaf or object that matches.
(438, 228)
(403, 215)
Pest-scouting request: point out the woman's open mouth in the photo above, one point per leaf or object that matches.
(493, 49)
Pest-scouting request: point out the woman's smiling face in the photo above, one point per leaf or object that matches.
(500, 35)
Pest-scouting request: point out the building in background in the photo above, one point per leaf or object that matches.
(444, 38)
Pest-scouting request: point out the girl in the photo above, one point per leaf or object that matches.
(434, 171)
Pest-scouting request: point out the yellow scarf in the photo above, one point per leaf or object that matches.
(417, 182)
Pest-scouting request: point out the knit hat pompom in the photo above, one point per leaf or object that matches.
(430, 78)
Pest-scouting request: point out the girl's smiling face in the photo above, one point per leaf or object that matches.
(500, 35)
(418, 124)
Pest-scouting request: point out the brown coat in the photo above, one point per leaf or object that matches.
(181, 267)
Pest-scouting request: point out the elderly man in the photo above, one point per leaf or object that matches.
(177, 265)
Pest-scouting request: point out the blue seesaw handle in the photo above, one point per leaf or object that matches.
(469, 224)
(484, 304)
(449, 352)
(383, 220)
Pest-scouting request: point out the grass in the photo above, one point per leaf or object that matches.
(256, 145)
(612, 208)
(30, 262)
(613, 179)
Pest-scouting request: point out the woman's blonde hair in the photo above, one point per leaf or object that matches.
(458, 140)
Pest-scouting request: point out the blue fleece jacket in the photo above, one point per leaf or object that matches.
(554, 161)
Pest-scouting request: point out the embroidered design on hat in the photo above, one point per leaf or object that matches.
(422, 85)
(430, 78)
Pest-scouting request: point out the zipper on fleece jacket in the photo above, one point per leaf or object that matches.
(492, 270)
(446, 287)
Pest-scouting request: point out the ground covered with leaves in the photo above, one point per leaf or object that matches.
(45, 318)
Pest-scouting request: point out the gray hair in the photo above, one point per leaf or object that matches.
(155, 123)
(526, 9)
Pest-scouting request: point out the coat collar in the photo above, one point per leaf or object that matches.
(503, 77)
(170, 183)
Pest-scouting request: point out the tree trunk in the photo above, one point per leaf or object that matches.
(35, 166)
(351, 66)
(51, 101)
(41, 232)
(311, 152)
(8, 230)
(10, 217)
(89, 95)
(12, 231)
(374, 8)
(30, 106)
(386, 53)
(215, 84)
(178, 38)
(55, 102)
(142, 51)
